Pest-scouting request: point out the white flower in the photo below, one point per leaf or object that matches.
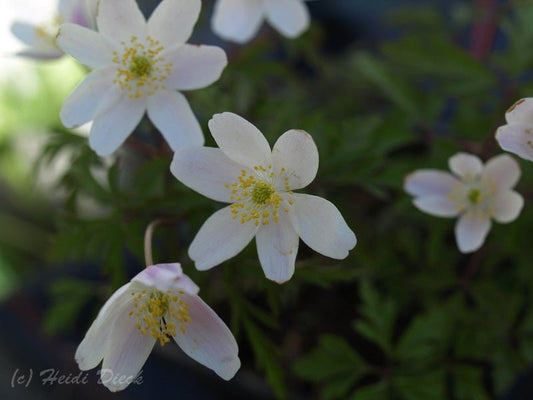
(239, 20)
(258, 183)
(160, 302)
(140, 66)
(476, 193)
(41, 38)
(517, 135)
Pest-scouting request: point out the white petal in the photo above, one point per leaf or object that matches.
(172, 21)
(277, 246)
(290, 17)
(507, 206)
(517, 139)
(470, 232)
(237, 20)
(206, 170)
(126, 353)
(26, 33)
(185, 284)
(119, 20)
(111, 127)
(81, 105)
(437, 205)
(502, 170)
(85, 45)
(172, 115)
(521, 112)
(208, 340)
(426, 182)
(465, 165)
(93, 346)
(44, 53)
(240, 140)
(296, 151)
(321, 226)
(194, 67)
(159, 276)
(220, 238)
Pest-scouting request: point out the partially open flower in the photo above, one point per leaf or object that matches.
(517, 135)
(475, 193)
(158, 304)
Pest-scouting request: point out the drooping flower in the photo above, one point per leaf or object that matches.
(259, 184)
(239, 20)
(517, 135)
(475, 193)
(41, 38)
(158, 304)
(139, 66)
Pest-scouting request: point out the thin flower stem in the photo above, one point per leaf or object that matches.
(148, 235)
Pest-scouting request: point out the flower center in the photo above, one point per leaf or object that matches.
(474, 196)
(158, 313)
(141, 69)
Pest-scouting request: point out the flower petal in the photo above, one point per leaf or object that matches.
(195, 67)
(290, 17)
(172, 115)
(220, 238)
(296, 151)
(85, 45)
(502, 170)
(437, 205)
(119, 20)
(507, 206)
(237, 20)
(26, 33)
(277, 246)
(172, 21)
(207, 339)
(517, 139)
(425, 182)
(321, 226)
(465, 165)
(521, 112)
(111, 127)
(470, 231)
(206, 170)
(240, 140)
(159, 276)
(82, 104)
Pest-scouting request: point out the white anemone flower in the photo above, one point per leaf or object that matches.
(259, 184)
(41, 38)
(475, 193)
(239, 20)
(517, 135)
(139, 66)
(159, 303)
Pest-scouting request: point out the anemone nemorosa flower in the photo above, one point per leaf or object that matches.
(517, 135)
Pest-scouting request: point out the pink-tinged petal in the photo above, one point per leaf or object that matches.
(465, 165)
(172, 116)
(237, 20)
(470, 231)
(503, 171)
(220, 238)
(507, 206)
(277, 246)
(437, 205)
(295, 151)
(517, 139)
(82, 104)
(521, 112)
(240, 140)
(126, 352)
(112, 126)
(426, 182)
(321, 226)
(194, 67)
(119, 20)
(159, 276)
(290, 17)
(185, 284)
(85, 45)
(207, 171)
(207, 339)
(172, 21)
(93, 346)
